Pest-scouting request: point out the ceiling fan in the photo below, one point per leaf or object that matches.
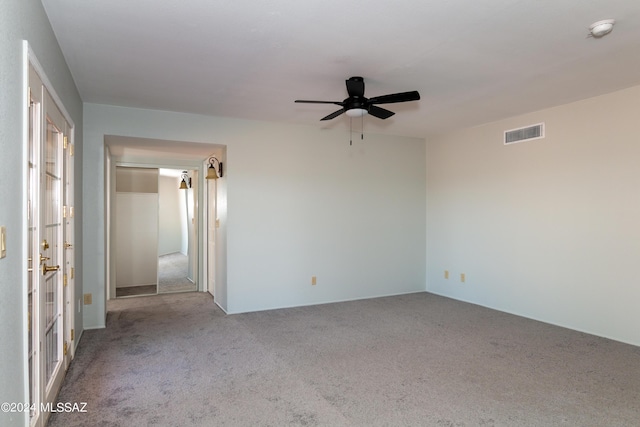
(356, 105)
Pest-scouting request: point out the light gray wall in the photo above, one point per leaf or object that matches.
(170, 227)
(25, 20)
(300, 202)
(546, 229)
(136, 180)
(221, 239)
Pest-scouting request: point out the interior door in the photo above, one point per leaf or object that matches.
(51, 251)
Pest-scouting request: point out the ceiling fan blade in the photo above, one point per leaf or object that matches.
(319, 102)
(355, 86)
(395, 97)
(333, 115)
(380, 113)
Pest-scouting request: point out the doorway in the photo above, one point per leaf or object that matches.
(156, 231)
(50, 242)
(208, 267)
(136, 231)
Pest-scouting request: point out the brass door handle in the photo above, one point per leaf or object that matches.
(43, 258)
(47, 268)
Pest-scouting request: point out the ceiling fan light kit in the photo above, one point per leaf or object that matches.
(356, 112)
(601, 28)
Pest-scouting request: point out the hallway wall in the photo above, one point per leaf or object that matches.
(170, 224)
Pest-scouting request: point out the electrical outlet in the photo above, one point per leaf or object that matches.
(313, 280)
(446, 274)
(463, 277)
(87, 299)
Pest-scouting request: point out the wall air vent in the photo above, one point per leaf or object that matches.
(524, 134)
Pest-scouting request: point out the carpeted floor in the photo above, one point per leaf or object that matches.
(415, 360)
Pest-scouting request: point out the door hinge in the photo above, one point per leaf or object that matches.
(73, 334)
(64, 280)
(65, 142)
(65, 348)
(71, 150)
(64, 212)
(71, 211)
(73, 272)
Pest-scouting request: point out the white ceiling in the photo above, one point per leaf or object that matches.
(473, 61)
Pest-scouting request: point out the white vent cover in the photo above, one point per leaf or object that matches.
(524, 134)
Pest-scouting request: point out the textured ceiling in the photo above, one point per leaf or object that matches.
(472, 61)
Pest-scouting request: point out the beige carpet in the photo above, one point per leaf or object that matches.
(415, 360)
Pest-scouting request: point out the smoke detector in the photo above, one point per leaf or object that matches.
(601, 28)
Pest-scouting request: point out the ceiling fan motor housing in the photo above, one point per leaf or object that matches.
(359, 102)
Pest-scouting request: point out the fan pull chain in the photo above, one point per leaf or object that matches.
(350, 131)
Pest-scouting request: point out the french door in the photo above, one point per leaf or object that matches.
(50, 246)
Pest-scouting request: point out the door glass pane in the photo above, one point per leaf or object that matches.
(51, 210)
(51, 348)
